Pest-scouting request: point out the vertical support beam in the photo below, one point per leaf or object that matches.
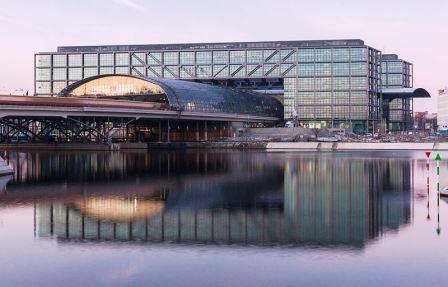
(160, 131)
(205, 131)
(168, 131)
(197, 131)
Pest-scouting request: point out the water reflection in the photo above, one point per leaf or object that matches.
(212, 197)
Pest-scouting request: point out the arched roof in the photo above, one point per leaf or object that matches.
(192, 96)
(405, 92)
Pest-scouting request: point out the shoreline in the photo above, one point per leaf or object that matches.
(268, 146)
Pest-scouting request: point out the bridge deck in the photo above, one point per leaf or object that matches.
(30, 106)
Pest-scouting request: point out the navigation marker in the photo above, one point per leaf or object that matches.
(438, 159)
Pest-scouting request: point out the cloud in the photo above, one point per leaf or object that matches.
(133, 4)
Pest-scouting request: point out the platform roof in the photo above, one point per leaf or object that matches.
(197, 97)
(404, 93)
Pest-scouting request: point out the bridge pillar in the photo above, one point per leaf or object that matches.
(160, 131)
(197, 131)
(205, 131)
(168, 131)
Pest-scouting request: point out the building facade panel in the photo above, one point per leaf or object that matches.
(329, 83)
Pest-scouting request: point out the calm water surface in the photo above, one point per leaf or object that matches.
(222, 219)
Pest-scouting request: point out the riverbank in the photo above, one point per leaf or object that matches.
(348, 146)
(271, 146)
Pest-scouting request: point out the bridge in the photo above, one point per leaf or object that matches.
(128, 108)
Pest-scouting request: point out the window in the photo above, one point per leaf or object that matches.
(394, 67)
(323, 84)
(271, 56)
(358, 69)
(341, 55)
(359, 83)
(74, 74)
(122, 59)
(203, 58)
(288, 55)
(106, 70)
(59, 74)
(237, 71)
(138, 59)
(75, 60)
(305, 84)
(58, 86)
(237, 56)
(254, 70)
(43, 61)
(220, 71)
(323, 55)
(154, 58)
(43, 74)
(204, 71)
(271, 70)
(358, 54)
(154, 71)
(171, 58)
(306, 55)
(43, 88)
(306, 70)
(90, 59)
(59, 60)
(323, 69)
(341, 83)
(90, 72)
(341, 98)
(106, 59)
(170, 72)
(187, 58)
(288, 69)
(187, 71)
(122, 70)
(255, 56)
(138, 71)
(341, 69)
(220, 57)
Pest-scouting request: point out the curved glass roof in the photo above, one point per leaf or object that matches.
(179, 95)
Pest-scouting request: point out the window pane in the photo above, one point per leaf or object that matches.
(75, 60)
(170, 58)
(106, 59)
(74, 74)
(43, 60)
(43, 74)
(59, 74)
(187, 58)
(90, 59)
(59, 60)
(90, 72)
(220, 57)
(203, 58)
(237, 56)
(122, 59)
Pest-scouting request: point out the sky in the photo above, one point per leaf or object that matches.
(413, 29)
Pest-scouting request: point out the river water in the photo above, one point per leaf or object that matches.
(222, 218)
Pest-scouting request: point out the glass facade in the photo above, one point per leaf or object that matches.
(181, 95)
(396, 73)
(333, 83)
(335, 87)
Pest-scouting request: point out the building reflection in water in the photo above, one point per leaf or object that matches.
(214, 197)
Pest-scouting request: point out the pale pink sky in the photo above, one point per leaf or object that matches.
(416, 30)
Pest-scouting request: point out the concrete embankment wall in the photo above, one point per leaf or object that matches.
(347, 146)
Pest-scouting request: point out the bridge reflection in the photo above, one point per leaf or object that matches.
(216, 197)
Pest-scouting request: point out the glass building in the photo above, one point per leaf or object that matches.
(323, 83)
(397, 73)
